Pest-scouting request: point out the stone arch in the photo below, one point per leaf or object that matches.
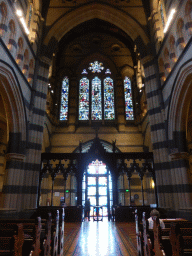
(104, 12)
(19, 58)
(180, 34)
(26, 62)
(12, 33)
(188, 16)
(3, 17)
(162, 69)
(13, 102)
(31, 71)
(166, 58)
(172, 48)
(180, 101)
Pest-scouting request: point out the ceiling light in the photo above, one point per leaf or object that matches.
(24, 25)
(169, 20)
(19, 13)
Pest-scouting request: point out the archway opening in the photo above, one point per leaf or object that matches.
(97, 186)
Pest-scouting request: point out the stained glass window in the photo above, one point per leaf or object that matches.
(97, 167)
(109, 105)
(30, 14)
(96, 67)
(96, 96)
(84, 99)
(96, 99)
(64, 99)
(162, 13)
(128, 99)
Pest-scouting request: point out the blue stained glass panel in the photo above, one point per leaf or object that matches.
(64, 99)
(109, 105)
(128, 99)
(96, 67)
(84, 99)
(96, 113)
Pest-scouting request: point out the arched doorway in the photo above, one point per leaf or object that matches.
(97, 185)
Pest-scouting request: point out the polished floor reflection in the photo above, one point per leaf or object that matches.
(102, 238)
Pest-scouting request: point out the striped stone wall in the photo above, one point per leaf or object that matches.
(32, 165)
(23, 157)
(158, 135)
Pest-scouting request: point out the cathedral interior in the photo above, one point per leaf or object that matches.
(95, 103)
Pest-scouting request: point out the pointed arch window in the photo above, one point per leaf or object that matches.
(30, 14)
(64, 99)
(129, 115)
(96, 94)
(84, 99)
(162, 12)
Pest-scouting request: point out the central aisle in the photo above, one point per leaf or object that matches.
(103, 238)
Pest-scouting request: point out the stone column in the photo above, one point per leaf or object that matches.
(36, 125)
(165, 186)
(13, 181)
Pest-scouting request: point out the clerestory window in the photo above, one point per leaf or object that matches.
(129, 115)
(96, 94)
(64, 99)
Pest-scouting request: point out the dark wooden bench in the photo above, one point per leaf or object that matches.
(175, 239)
(24, 237)
(11, 240)
(21, 237)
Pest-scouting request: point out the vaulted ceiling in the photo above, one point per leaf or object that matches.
(103, 29)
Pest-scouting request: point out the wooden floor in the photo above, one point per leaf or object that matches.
(100, 238)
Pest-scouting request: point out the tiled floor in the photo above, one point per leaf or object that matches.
(103, 238)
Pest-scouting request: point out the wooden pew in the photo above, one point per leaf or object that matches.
(11, 241)
(173, 240)
(139, 236)
(33, 237)
(36, 239)
(55, 236)
(147, 239)
(47, 240)
(158, 248)
(181, 239)
(61, 235)
(25, 241)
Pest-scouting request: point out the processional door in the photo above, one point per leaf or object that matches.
(97, 185)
